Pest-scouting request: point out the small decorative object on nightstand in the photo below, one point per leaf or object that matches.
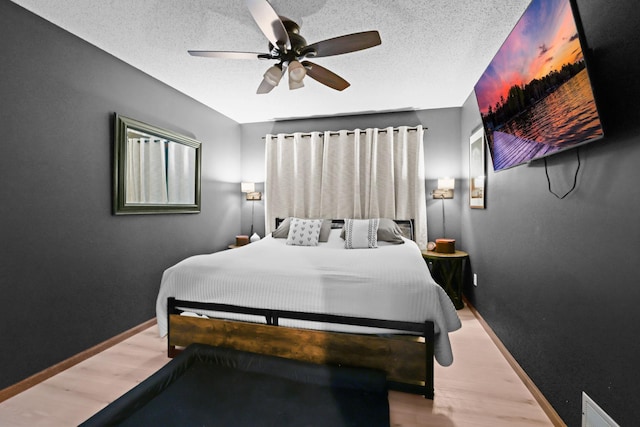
(241, 240)
(445, 246)
(447, 270)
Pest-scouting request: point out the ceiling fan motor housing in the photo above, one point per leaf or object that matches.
(298, 44)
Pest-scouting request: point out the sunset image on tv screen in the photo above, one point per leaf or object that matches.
(535, 97)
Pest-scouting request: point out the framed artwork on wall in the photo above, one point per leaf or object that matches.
(477, 177)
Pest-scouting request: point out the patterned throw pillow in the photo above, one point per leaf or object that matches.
(361, 233)
(282, 232)
(304, 232)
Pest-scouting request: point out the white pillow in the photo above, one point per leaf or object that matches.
(304, 232)
(282, 232)
(361, 233)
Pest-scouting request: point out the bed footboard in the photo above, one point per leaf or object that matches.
(406, 359)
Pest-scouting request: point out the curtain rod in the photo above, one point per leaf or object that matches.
(350, 132)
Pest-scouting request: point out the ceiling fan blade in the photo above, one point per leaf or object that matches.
(229, 55)
(324, 76)
(344, 44)
(269, 22)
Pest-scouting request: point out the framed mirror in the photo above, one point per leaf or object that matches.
(477, 177)
(155, 170)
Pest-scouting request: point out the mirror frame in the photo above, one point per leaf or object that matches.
(120, 205)
(477, 169)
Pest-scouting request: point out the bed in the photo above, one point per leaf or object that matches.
(376, 307)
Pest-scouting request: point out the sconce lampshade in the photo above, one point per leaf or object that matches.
(247, 187)
(446, 183)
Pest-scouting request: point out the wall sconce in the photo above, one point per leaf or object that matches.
(250, 189)
(444, 191)
(253, 196)
(445, 188)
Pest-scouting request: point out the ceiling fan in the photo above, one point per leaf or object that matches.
(290, 49)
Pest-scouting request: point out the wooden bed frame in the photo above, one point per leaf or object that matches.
(407, 360)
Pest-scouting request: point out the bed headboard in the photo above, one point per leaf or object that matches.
(406, 226)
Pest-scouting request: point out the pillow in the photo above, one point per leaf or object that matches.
(304, 232)
(388, 231)
(325, 230)
(282, 232)
(361, 233)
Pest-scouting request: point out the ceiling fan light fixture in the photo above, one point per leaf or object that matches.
(296, 75)
(296, 71)
(293, 84)
(273, 75)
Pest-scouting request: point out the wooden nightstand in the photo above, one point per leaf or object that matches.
(447, 270)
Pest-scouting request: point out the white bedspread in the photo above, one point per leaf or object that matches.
(391, 282)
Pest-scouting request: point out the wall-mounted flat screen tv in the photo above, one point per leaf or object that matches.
(535, 97)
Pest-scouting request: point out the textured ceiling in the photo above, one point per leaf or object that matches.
(432, 51)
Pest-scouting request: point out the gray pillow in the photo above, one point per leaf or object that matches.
(282, 232)
(325, 230)
(388, 231)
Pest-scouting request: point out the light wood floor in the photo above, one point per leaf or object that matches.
(479, 389)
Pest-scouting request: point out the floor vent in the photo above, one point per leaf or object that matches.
(593, 415)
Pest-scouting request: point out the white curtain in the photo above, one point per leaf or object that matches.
(181, 162)
(146, 173)
(371, 173)
(294, 176)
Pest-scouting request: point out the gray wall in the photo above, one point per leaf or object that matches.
(558, 279)
(442, 157)
(71, 273)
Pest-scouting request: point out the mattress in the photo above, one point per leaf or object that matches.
(390, 282)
